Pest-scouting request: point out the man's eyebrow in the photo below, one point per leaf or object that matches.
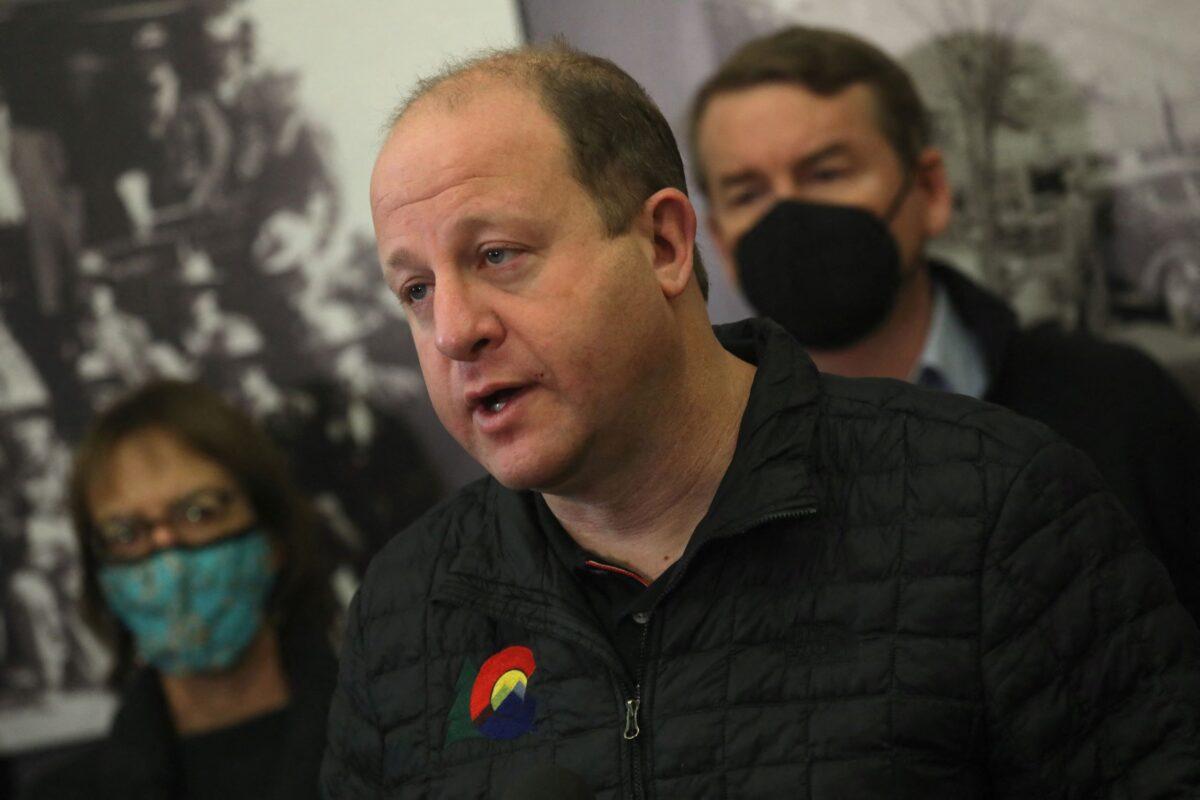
(736, 179)
(828, 151)
(463, 231)
(401, 258)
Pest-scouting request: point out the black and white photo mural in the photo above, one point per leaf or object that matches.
(184, 193)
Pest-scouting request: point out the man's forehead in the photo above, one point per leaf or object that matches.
(463, 132)
(762, 115)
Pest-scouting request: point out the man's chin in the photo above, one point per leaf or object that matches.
(537, 471)
(520, 479)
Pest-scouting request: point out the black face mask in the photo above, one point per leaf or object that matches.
(828, 274)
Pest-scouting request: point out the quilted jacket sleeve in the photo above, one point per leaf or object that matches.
(353, 762)
(1090, 667)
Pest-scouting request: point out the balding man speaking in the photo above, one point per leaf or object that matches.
(698, 567)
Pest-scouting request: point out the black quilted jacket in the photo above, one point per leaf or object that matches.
(894, 594)
(1113, 403)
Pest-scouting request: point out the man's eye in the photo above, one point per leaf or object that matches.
(415, 293)
(496, 255)
(827, 175)
(742, 198)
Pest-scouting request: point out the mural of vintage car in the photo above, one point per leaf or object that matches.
(1148, 227)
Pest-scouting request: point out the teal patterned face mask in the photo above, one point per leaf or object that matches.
(193, 609)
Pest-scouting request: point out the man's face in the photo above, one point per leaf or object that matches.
(781, 141)
(534, 328)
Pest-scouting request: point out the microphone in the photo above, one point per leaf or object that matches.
(548, 782)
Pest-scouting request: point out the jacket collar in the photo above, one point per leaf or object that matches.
(988, 317)
(769, 475)
(771, 468)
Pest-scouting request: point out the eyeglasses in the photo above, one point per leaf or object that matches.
(194, 519)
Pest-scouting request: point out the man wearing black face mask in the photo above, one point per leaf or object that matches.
(813, 150)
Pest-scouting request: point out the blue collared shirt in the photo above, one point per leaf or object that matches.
(952, 359)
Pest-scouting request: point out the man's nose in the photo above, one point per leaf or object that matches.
(785, 188)
(465, 324)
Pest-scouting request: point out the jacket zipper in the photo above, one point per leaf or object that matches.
(633, 704)
(631, 715)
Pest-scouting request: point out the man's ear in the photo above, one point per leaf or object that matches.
(672, 223)
(935, 188)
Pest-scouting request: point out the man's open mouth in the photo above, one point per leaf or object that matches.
(496, 401)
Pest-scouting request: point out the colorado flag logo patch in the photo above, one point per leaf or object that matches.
(493, 701)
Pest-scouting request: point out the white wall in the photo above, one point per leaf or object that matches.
(359, 58)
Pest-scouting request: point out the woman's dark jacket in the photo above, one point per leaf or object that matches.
(895, 593)
(138, 761)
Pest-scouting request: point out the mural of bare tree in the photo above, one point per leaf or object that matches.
(975, 43)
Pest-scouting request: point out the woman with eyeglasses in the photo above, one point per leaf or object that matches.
(202, 569)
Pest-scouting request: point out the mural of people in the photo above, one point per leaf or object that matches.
(171, 207)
